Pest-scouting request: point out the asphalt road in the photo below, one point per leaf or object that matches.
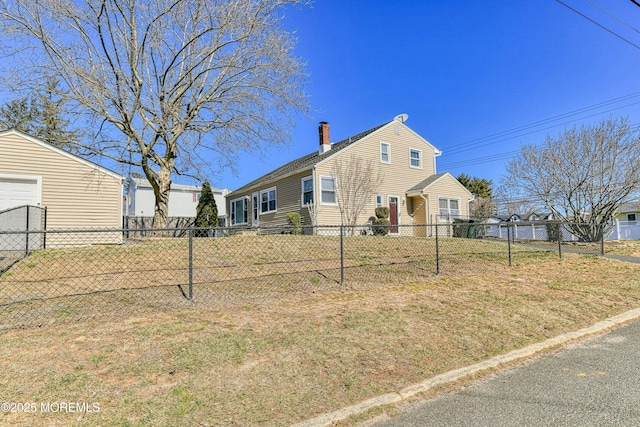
(593, 383)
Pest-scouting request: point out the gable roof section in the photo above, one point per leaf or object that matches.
(426, 183)
(421, 186)
(630, 206)
(305, 162)
(62, 152)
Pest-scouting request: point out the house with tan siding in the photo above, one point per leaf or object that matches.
(77, 193)
(410, 186)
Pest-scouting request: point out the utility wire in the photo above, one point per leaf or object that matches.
(500, 156)
(463, 146)
(476, 145)
(598, 24)
(614, 16)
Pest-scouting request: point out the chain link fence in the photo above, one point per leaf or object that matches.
(30, 221)
(90, 274)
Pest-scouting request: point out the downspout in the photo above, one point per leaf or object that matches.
(469, 205)
(437, 153)
(426, 204)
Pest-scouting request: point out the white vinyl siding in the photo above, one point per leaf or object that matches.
(415, 158)
(239, 211)
(268, 200)
(328, 190)
(385, 152)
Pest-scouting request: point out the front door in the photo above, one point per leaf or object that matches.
(393, 214)
(255, 213)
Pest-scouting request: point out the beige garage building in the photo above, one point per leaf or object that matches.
(77, 193)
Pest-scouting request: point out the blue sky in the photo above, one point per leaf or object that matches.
(468, 73)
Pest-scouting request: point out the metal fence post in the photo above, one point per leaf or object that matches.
(601, 239)
(26, 249)
(191, 265)
(341, 255)
(437, 253)
(509, 242)
(44, 239)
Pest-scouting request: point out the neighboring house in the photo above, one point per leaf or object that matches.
(183, 199)
(411, 188)
(628, 212)
(77, 193)
(626, 222)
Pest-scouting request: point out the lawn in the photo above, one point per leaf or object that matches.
(288, 356)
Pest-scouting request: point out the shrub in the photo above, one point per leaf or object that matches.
(382, 212)
(295, 222)
(206, 211)
(381, 227)
(553, 231)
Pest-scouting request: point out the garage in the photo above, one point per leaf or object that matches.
(16, 190)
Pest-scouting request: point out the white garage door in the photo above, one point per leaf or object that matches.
(18, 192)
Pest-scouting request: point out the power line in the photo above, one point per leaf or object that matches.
(614, 16)
(463, 146)
(539, 130)
(501, 156)
(598, 24)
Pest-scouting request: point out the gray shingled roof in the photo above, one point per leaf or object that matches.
(305, 162)
(427, 182)
(630, 206)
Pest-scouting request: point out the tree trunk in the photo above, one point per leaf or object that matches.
(161, 191)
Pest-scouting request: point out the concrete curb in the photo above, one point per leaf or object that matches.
(329, 418)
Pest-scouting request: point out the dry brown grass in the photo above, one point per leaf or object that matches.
(280, 361)
(623, 247)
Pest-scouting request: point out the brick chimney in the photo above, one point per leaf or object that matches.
(325, 140)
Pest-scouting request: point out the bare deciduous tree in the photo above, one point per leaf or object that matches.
(482, 208)
(583, 175)
(357, 182)
(165, 81)
(313, 209)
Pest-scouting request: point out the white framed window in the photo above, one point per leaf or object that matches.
(631, 217)
(307, 190)
(379, 202)
(328, 190)
(268, 200)
(385, 152)
(415, 158)
(239, 211)
(448, 208)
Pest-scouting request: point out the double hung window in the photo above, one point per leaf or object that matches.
(268, 200)
(328, 190)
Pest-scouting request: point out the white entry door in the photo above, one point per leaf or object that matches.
(19, 191)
